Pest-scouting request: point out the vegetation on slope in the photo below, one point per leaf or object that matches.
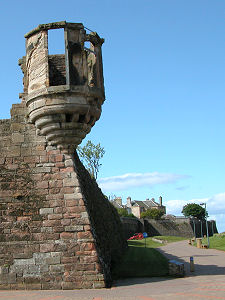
(217, 241)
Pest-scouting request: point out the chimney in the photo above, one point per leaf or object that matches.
(128, 201)
(160, 200)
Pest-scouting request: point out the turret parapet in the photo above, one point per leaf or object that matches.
(64, 92)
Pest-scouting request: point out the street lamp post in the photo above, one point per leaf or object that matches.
(207, 229)
(201, 230)
(194, 227)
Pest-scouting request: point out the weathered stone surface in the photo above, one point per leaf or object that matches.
(57, 230)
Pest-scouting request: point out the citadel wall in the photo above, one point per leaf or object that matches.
(57, 230)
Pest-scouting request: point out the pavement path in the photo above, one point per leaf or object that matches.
(207, 282)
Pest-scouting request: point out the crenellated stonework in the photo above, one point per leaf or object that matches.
(57, 230)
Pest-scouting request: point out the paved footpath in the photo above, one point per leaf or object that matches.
(207, 282)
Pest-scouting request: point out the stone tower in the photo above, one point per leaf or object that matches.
(63, 93)
(57, 230)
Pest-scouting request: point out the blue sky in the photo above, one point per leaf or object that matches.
(162, 124)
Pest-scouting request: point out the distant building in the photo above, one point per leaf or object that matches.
(136, 207)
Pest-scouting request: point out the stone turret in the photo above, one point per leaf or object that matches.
(63, 93)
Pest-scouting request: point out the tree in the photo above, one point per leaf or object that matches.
(194, 210)
(90, 156)
(153, 213)
(124, 213)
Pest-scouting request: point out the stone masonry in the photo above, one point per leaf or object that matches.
(57, 230)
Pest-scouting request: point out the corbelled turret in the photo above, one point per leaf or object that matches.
(63, 93)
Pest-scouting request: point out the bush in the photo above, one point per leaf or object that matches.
(124, 213)
(153, 213)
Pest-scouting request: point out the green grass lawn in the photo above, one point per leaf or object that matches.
(215, 242)
(139, 261)
(142, 260)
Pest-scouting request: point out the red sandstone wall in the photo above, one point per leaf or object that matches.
(53, 232)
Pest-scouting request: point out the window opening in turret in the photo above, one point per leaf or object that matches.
(69, 118)
(56, 43)
(56, 57)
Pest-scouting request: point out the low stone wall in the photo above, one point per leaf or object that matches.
(176, 268)
(167, 227)
(183, 227)
(131, 226)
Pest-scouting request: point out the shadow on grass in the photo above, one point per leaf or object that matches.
(141, 262)
(136, 243)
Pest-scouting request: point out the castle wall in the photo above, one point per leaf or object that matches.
(132, 226)
(57, 230)
(168, 227)
(183, 227)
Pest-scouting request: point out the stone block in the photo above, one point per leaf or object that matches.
(17, 138)
(72, 202)
(56, 268)
(13, 151)
(53, 260)
(24, 262)
(70, 182)
(47, 210)
(71, 285)
(66, 221)
(74, 228)
(40, 257)
(87, 235)
(51, 286)
(33, 270)
(176, 268)
(7, 278)
(47, 229)
(85, 267)
(99, 284)
(4, 270)
(42, 185)
(47, 247)
(44, 268)
(67, 235)
(51, 223)
(69, 163)
(69, 196)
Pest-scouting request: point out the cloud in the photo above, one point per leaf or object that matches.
(215, 206)
(130, 180)
(175, 207)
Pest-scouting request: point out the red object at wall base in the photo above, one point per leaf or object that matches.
(136, 236)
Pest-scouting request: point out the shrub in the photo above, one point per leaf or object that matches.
(153, 213)
(124, 213)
